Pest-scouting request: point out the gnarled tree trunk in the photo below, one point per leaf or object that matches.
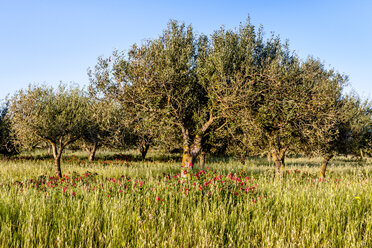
(57, 153)
(57, 148)
(191, 152)
(92, 151)
(242, 159)
(323, 168)
(144, 147)
(278, 156)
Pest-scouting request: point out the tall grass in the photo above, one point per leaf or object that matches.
(145, 204)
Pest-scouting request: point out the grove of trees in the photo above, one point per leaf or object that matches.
(233, 93)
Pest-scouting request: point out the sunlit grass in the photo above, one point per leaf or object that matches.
(134, 203)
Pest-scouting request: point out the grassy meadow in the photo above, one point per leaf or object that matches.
(121, 201)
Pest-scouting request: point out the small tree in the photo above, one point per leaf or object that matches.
(355, 127)
(137, 126)
(345, 131)
(103, 122)
(44, 114)
(327, 129)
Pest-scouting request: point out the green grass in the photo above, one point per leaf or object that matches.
(116, 203)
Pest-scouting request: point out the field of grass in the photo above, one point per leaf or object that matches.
(120, 201)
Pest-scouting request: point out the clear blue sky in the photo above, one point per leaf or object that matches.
(57, 40)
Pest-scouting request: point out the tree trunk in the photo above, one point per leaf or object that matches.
(278, 157)
(187, 161)
(144, 147)
(323, 168)
(57, 159)
(57, 165)
(92, 151)
(191, 152)
(202, 159)
(242, 159)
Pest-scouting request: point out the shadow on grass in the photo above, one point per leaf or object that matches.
(126, 158)
(104, 158)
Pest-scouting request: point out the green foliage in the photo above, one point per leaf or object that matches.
(355, 127)
(323, 107)
(162, 80)
(7, 142)
(253, 95)
(41, 113)
(157, 85)
(104, 125)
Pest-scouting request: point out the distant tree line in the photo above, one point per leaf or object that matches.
(233, 93)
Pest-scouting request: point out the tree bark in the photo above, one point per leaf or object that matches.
(187, 161)
(278, 157)
(323, 168)
(92, 151)
(144, 147)
(57, 153)
(191, 152)
(242, 159)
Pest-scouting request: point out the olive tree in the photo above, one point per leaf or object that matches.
(158, 79)
(355, 126)
(337, 122)
(339, 127)
(57, 116)
(137, 126)
(227, 64)
(281, 101)
(195, 84)
(265, 109)
(103, 124)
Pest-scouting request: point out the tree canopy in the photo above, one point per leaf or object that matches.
(264, 97)
(57, 116)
